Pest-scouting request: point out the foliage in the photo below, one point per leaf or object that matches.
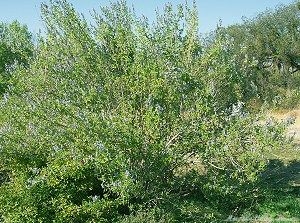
(236, 158)
(108, 118)
(16, 48)
(266, 49)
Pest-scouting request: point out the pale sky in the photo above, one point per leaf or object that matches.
(210, 11)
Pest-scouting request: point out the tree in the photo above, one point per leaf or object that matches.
(267, 51)
(16, 49)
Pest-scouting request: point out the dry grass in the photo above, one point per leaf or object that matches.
(291, 154)
(294, 129)
(284, 115)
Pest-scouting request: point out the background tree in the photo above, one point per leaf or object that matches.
(266, 49)
(16, 49)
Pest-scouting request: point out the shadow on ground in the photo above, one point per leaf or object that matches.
(278, 201)
(278, 174)
(280, 183)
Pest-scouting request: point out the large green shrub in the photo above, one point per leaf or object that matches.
(107, 115)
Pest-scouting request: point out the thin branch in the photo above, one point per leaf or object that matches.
(220, 168)
(171, 140)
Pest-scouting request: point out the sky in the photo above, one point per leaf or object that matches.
(210, 11)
